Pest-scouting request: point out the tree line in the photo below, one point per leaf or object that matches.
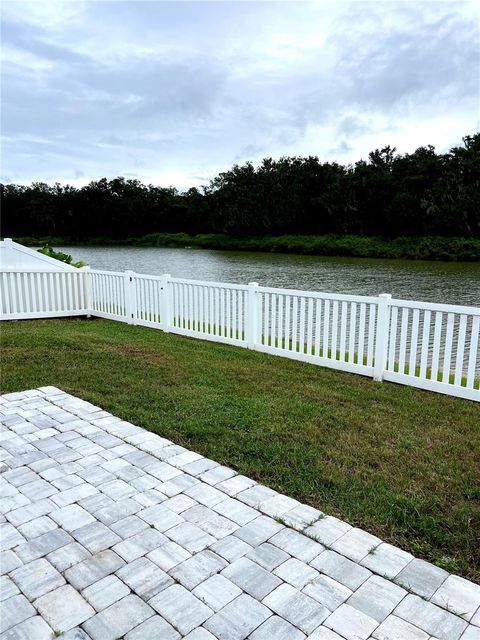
(388, 195)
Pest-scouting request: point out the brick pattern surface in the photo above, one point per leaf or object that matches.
(109, 531)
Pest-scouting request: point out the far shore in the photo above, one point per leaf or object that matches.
(435, 248)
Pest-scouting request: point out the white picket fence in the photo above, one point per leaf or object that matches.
(425, 345)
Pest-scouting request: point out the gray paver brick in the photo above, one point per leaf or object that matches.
(341, 569)
(173, 602)
(198, 568)
(7, 588)
(72, 517)
(435, 621)
(350, 623)
(268, 556)
(161, 517)
(46, 543)
(356, 544)
(296, 607)
(327, 530)
(95, 536)
(15, 610)
(190, 537)
(458, 595)
(258, 530)
(205, 494)
(30, 511)
(238, 618)
(118, 619)
(231, 548)
(168, 555)
(216, 475)
(145, 578)
(37, 578)
(129, 526)
(37, 527)
(200, 633)
(9, 561)
(301, 516)
(421, 577)
(216, 592)
(139, 544)
(114, 512)
(179, 503)
(233, 486)
(251, 577)
(296, 573)
(328, 592)
(64, 608)
(93, 568)
(105, 592)
(377, 598)
(277, 628)
(297, 545)
(10, 537)
(323, 633)
(65, 557)
(236, 511)
(387, 560)
(155, 628)
(34, 628)
(393, 628)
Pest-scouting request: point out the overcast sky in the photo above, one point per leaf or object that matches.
(173, 92)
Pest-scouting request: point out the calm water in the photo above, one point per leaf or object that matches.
(455, 283)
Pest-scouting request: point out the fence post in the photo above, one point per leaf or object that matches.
(87, 283)
(252, 315)
(8, 246)
(130, 297)
(381, 336)
(165, 304)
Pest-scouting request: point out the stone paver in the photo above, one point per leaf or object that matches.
(108, 531)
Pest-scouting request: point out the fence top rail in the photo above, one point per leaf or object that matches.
(435, 306)
(207, 283)
(104, 272)
(345, 297)
(15, 270)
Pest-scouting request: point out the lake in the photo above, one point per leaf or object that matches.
(449, 282)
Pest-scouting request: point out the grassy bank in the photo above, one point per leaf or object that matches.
(400, 462)
(415, 248)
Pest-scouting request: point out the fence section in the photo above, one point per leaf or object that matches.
(338, 331)
(43, 294)
(434, 346)
(430, 346)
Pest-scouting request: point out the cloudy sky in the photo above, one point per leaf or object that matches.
(173, 92)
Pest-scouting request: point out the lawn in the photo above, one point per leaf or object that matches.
(402, 463)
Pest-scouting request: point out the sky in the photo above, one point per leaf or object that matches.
(172, 93)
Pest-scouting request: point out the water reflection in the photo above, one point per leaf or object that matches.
(455, 283)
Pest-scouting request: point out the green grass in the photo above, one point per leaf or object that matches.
(402, 463)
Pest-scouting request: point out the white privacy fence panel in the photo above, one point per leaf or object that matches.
(430, 346)
(42, 294)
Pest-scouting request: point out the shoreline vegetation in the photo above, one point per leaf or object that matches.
(436, 248)
(422, 205)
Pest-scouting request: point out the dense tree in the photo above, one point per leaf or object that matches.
(421, 193)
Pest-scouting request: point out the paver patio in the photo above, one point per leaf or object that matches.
(110, 531)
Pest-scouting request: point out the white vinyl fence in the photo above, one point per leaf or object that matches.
(421, 344)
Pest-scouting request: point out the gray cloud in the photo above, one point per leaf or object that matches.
(172, 91)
